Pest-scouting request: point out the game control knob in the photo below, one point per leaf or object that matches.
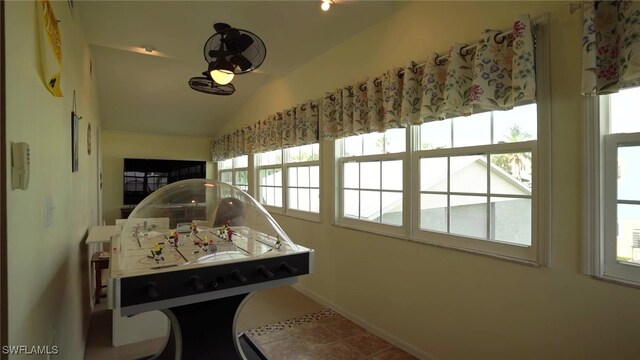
(213, 285)
(195, 283)
(266, 273)
(152, 290)
(238, 276)
(286, 267)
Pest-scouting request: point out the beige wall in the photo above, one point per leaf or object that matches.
(450, 304)
(48, 268)
(119, 145)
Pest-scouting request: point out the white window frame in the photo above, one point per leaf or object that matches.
(234, 170)
(538, 254)
(600, 195)
(284, 166)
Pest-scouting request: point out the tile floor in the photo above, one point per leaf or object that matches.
(322, 336)
(283, 323)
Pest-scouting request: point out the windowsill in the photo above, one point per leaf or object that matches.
(423, 242)
(615, 281)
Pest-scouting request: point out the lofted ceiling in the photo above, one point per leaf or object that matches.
(149, 93)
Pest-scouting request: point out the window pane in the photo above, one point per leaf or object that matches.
(435, 135)
(624, 111)
(395, 141)
(370, 177)
(433, 174)
(433, 212)
(370, 205)
(511, 220)
(241, 177)
(269, 158)
(373, 144)
(351, 203)
(225, 164)
(468, 174)
(314, 198)
(277, 176)
(628, 241)
(263, 177)
(392, 175)
(270, 178)
(511, 173)
(352, 146)
(293, 198)
(352, 175)
(303, 153)
(515, 125)
(314, 176)
(303, 176)
(629, 173)
(303, 199)
(278, 196)
(472, 130)
(241, 161)
(469, 216)
(293, 176)
(392, 208)
(226, 176)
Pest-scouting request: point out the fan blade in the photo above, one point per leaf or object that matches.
(230, 35)
(243, 43)
(241, 61)
(220, 27)
(218, 53)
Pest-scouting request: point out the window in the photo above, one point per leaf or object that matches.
(303, 178)
(613, 225)
(475, 182)
(235, 172)
(289, 179)
(371, 173)
(269, 169)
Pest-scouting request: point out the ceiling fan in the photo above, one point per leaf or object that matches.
(228, 52)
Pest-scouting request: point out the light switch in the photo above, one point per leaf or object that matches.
(48, 207)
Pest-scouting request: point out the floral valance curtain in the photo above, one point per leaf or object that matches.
(495, 74)
(293, 127)
(610, 46)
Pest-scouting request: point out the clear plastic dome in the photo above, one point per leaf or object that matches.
(193, 223)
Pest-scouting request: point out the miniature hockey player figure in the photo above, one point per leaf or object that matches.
(136, 232)
(156, 253)
(170, 236)
(278, 242)
(221, 232)
(176, 239)
(229, 234)
(194, 229)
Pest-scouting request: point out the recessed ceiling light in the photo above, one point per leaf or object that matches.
(148, 48)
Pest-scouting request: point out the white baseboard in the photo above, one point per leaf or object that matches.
(392, 339)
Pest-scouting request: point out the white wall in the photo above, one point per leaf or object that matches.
(48, 268)
(118, 145)
(451, 304)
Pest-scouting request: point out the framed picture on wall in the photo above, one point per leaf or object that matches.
(75, 123)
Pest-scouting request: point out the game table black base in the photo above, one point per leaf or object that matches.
(205, 331)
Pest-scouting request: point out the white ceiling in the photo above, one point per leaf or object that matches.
(146, 93)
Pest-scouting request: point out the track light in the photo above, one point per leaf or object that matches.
(326, 4)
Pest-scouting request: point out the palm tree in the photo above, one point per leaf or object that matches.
(514, 163)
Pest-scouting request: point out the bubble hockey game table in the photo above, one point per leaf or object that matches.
(236, 249)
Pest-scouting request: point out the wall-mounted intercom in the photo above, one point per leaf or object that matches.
(20, 161)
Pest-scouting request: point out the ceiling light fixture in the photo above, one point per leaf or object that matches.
(148, 48)
(326, 4)
(228, 52)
